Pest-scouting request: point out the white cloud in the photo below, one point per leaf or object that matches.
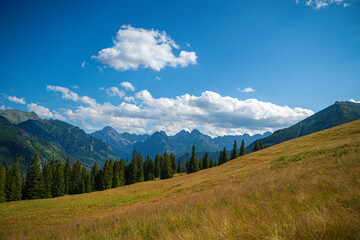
(2, 107)
(210, 112)
(127, 86)
(114, 91)
(352, 100)
(44, 112)
(16, 99)
(246, 90)
(74, 86)
(318, 4)
(158, 78)
(83, 64)
(129, 99)
(70, 95)
(40, 110)
(138, 47)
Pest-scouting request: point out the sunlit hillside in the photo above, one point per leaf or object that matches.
(306, 188)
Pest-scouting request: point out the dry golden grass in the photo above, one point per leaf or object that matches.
(307, 188)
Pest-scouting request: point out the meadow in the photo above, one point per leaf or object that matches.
(306, 188)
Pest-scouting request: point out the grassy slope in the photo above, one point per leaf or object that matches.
(306, 188)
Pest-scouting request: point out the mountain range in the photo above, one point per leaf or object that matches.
(181, 143)
(22, 134)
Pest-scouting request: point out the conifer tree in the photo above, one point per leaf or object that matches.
(242, 148)
(256, 146)
(193, 163)
(157, 166)
(211, 162)
(234, 153)
(34, 180)
(225, 156)
(138, 163)
(2, 183)
(107, 175)
(95, 183)
(13, 182)
(76, 179)
(166, 167)
(200, 164)
(205, 161)
(186, 166)
(173, 162)
(261, 146)
(122, 172)
(129, 173)
(67, 176)
(221, 158)
(148, 169)
(48, 180)
(116, 174)
(58, 179)
(179, 167)
(86, 181)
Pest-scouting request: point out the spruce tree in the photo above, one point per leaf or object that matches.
(48, 180)
(122, 172)
(205, 161)
(58, 179)
(129, 173)
(2, 183)
(13, 182)
(148, 169)
(200, 164)
(256, 146)
(261, 146)
(225, 156)
(221, 158)
(242, 148)
(107, 175)
(67, 176)
(179, 166)
(34, 180)
(138, 163)
(116, 174)
(166, 167)
(234, 153)
(173, 162)
(157, 166)
(212, 162)
(95, 183)
(193, 163)
(76, 179)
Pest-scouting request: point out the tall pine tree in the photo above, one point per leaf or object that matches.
(179, 166)
(58, 179)
(166, 167)
(173, 162)
(193, 163)
(67, 176)
(205, 161)
(242, 148)
(212, 162)
(256, 146)
(234, 153)
(148, 169)
(261, 146)
(34, 180)
(13, 182)
(157, 168)
(48, 180)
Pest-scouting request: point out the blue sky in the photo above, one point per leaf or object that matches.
(224, 67)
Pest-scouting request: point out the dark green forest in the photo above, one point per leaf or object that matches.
(55, 179)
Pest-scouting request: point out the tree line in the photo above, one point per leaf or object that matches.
(55, 179)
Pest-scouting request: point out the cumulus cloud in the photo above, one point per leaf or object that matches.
(246, 90)
(158, 78)
(127, 86)
(352, 100)
(114, 91)
(138, 47)
(42, 111)
(210, 112)
(16, 99)
(83, 64)
(2, 107)
(318, 4)
(70, 95)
